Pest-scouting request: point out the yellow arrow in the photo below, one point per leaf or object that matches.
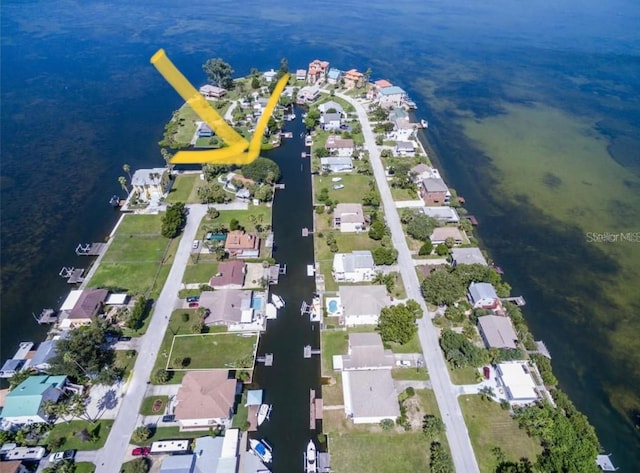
(234, 153)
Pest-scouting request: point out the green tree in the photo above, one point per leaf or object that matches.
(218, 72)
(160, 376)
(440, 460)
(379, 140)
(397, 324)
(198, 326)
(442, 250)
(138, 313)
(384, 256)
(173, 220)
(18, 377)
(234, 225)
(64, 466)
(262, 170)
(123, 183)
(212, 213)
(255, 83)
(211, 193)
(264, 193)
(141, 434)
(377, 230)
(312, 118)
(139, 465)
(432, 426)
(387, 424)
(442, 287)
(454, 314)
(426, 248)
(461, 352)
(421, 226)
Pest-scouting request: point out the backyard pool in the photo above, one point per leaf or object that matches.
(333, 306)
(256, 303)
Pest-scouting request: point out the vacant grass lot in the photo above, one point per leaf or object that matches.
(184, 189)
(69, 430)
(468, 375)
(489, 426)
(187, 118)
(199, 273)
(262, 214)
(85, 467)
(214, 351)
(403, 194)
(355, 187)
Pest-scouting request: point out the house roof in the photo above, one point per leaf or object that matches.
(363, 300)
(254, 397)
(393, 90)
(212, 89)
(372, 393)
(349, 209)
(498, 331)
(240, 240)
(12, 466)
(519, 384)
(404, 124)
(434, 184)
(45, 352)
(336, 161)
(229, 273)
(441, 213)
(468, 256)
(301, 73)
(226, 306)
(323, 107)
(331, 117)
(382, 83)
(88, 303)
(482, 290)
(205, 395)
(270, 74)
(353, 74)
(71, 300)
(178, 464)
(349, 262)
(398, 113)
(26, 398)
(207, 452)
(442, 233)
(405, 145)
(142, 177)
(117, 299)
(424, 169)
(334, 142)
(366, 351)
(334, 73)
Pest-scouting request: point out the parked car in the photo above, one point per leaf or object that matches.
(124, 339)
(59, 456)
(193, 305)
(140, 451)
(193, 299)
(403, 363)
(487, 372)
(196, 244)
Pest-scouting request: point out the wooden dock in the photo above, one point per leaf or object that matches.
(308, 351)
(47, 316)
(90, 249)
(306, 232)
(278, 186)
(72, 275)
(267, 359)
(519, 300)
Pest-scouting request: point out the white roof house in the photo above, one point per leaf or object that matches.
(370, 396)
(442, 214)
(149, 182)
(468, 256)
(367, 352)
(483, 295)
(337, 164)
(518, 384)
(269, 75)
(361, 305)
(440, 235)
(357, 266)
(71, 300)
(340, 146)
(497, 331)
(325, 107)
(349, 218)
(331, 121)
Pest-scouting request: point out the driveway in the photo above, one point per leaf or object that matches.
(462, 454)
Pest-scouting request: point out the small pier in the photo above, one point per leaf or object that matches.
(311, 270)
(315, 409)
(269, 242)
(605, 463)
(278, 186)
(267, 359)
(519, 300)
(473, 220)
(90, 249)
(308, 351)
(47, 316)
(306, 232)
(308, 140)
(273, 274)
(71, 274)
(305, 308)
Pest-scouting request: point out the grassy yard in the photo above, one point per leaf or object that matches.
(398, 289)
(347, 242)
(346, 106)
(187, 117)
(403, 194)
(184, 189)
(213, 351)
(332, 342)
(68, 430)
(241, 415)
(85, 467)
(355, 187)
(148, 403)
(468, 375)
(164, 433)
(412, 346)
(490, 426)
(261, 212)
(332, 393)
(410, 374)
(125, 359)
(140, 225)
(200, 272)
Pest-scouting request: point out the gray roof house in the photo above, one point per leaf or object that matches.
(44, 353)
(441, 234)
(324, 107)
(361, 305)
(331, 121)
(337, 164)
(483, 295)
(370, 396)
(366, 352)
(405, 148)
(442, 214)
(467, 256)
(349, 218)
(231, 307)
(497, 331)
(357, 266)
(434, 191)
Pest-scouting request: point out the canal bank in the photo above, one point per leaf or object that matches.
(288, 382)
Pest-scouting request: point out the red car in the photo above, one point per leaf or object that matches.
(487, 372)
(193, 304)
(139, 451)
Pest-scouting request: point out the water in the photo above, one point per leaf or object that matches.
(533, 110)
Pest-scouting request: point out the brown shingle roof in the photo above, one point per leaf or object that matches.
(239, 240)
(88, 303)
(231, 273)
(205, 395)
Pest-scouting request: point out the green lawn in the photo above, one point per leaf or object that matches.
(85, 467)
(241, 415)
(490, 426)
(346, 106)
(200, 273)
(140, 225)
(136, 249)
(187, 118)
(398, 288)
(148, 402)
(332, 394)
(403, 194)
(355, 187)
(410, 374)
(412, 346)
(68, 431)
(390, 452)
(214, 351)
(262, 213)
(428, 401)
(332, 342)
(125, 359)
(184, 189)
(163, 433)
(468, 375)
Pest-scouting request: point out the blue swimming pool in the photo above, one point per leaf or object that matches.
(333, 306)
(256, 303)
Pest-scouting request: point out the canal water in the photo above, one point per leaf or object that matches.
(288, 382)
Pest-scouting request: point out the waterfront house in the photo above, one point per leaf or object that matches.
(206, 400)
(301, 74)
(13, 466)
(422, 171)
(239, 310)
(497, 331)
(357, 266)
(349, 218)
(353, 78)
(269, 76)
(330, 121)
(397, 113)
(333, 76)
(212, 91)
(210, 454)
(243, 194)
(317, 71)
(442, 214)
(242, 244)
(366, 352)
(25, 403)
(382, 83)
(482, 295)
(370, 396)
(361, 305)
(204, 131)
(515, 378)
(339, 146)
(434, 191)
(439, 235)
(308, 94)
(149, 183)
(259, 105)
(405, 148)
(82, 306)
(391, 96)
(403, 129)
(230, 275)
(336, 164)
(331, 107)
(467, 256)
(45, 352)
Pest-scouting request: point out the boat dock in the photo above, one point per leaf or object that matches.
(306, 232)
(472, 219)
(269, 242)
(311, 270)
(90, 249)
(72, 275)
(541, 349)
(267, 359)
(274, 272)
(47, 316)
(305, 308)
(278, 186)
(315, 409)
(305, 155)
(519, 300)
(308, 351)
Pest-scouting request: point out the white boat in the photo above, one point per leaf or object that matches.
(424, 123)
(311, 465)
(263, 413)
(277, 301)
(336, 179)
(261, 449)
(337, 187)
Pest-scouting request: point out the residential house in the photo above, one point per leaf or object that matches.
(434, 191)
(336, 164)
(212, 91)
(330, 121)
(45, 352)
(230, 275)
(396, 113)
(243, 194)
(405, 148)
(366, 352)
(339, 146)
(519, 386)
(317, 71)
(308, 94)
(370, 396)
(269, 76)
(13, 466)
(353, 78)
(237, 309)
(357, 266)
(301, 74)
(259, 105)
(391, 96)
(210, 455)
(497, 331)
(467, 256)
(349, 218)
(482, 295)
(403, 129)
(204, 131)
(442, 214)
(439, 235)
(88, 303)
(205, 400)
(150, 183)
(361, 305)
(422, 171)
(382, 83)
(334, 76)
(242, 244)
(25, 403)
(331, 107)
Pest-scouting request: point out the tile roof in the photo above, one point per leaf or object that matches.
(89, 302)
(205, 395)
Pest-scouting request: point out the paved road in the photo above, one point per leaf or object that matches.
(109, 458)
(464, 459)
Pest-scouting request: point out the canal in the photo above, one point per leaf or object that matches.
(287, 383)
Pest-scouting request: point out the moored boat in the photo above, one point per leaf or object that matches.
(263, 413)
(311, 466)
(277, 301)
(262, 450)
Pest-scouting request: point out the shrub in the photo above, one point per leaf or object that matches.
(160, 376)
(185, 316)
(387, 424)
(141, 434)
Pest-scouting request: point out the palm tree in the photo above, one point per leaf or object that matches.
(123, 183)
(253, 220)
(126, 168)
(486, 393)
(68, 358)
